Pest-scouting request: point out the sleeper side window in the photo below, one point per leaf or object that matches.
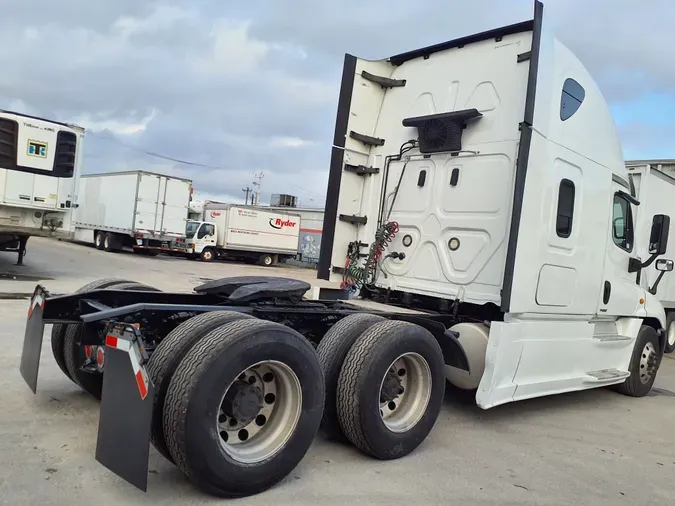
(573, 95)
(622, 223)
(565, 214)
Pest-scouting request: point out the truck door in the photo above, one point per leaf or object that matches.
(620, 293)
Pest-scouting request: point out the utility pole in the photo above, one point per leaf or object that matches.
(247, 191)
(257, 183)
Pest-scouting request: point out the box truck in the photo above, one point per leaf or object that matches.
(478, 202)
(140, 210)
(243, 232)
(39, 171)
(655, 189)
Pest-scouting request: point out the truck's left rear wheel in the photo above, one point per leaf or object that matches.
(243, 407)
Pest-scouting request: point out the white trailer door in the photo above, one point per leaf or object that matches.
(147, 200)
(175, 207)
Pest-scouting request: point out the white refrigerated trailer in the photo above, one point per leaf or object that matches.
(140, 210)
(39, 172)
(655, 189)
(245, 232)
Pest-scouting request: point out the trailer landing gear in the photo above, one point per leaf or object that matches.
(22, 249)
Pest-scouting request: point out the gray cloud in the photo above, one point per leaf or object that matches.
(254, 87)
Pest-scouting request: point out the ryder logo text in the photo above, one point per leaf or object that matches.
(278, 223)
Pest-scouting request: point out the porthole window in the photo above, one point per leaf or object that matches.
(573, 95)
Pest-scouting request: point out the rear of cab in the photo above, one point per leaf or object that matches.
(510, 197)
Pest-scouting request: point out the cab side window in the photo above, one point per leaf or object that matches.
(622, 223)
(205, 230)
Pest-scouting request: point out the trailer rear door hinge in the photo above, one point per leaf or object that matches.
(524, 56)
(366, 139)
(356, 220)
(385, 82)
(361, 169)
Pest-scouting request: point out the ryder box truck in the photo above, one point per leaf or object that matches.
(243, 232)
(477, 200)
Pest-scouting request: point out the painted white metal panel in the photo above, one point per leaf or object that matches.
(175, 208)
(106, 202)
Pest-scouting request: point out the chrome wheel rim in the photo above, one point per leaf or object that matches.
(98, 240)
(106, 242)
(647, 363)
(405, 392)
(207, 255)
(671, 334)
(259, 412)
(268, 260)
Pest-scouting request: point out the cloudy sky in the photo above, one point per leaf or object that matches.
(243, 87)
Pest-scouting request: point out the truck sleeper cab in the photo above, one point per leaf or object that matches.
(484, 177)
(478, 204)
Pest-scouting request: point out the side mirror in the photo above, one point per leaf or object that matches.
(664, 265)
(658, 239)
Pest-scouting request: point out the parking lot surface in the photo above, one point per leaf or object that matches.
(587, 448)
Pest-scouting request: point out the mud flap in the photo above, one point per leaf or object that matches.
(32, 339)
(123, 441)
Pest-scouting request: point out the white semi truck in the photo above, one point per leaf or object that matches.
(39, 172)
(479, 203)
(143, 211)
(243, 232)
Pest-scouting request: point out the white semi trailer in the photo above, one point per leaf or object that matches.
(138, 210)
(39, 172)
(477, 200)
(655, 189)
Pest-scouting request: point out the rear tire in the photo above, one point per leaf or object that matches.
(266, 260)
(644, 364)
(109, 242)
(194, 412)
(98, 240)
(332, 350)
(74, 353)
(168, 355)
(391, 389)
(59, 330)
(670, 333)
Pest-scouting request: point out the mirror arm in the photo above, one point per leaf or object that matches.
(653, 289)
(634, 265)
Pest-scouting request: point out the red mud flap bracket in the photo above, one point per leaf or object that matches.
(32, 340)
(123, 441)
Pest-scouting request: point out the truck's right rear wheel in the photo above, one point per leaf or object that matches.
(332, 351)
(168, 355)
(243, 407)
(391, 389)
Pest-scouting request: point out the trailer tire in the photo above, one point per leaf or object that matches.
(74, 353)
(391, 389)
(644, 364)
(59, 329)
(208, 255)
(110, 242)
(266, 260)
(98, 240)
(192, 412)
(670, 333)
(168, 355)
(332, 350)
